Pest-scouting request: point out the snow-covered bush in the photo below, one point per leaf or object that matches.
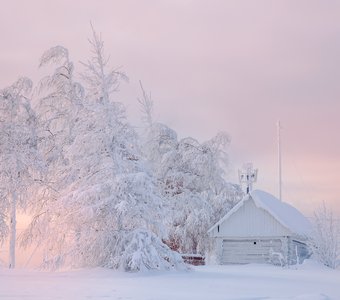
(325, 241)
(141, 250)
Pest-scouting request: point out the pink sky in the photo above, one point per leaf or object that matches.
(236, 66)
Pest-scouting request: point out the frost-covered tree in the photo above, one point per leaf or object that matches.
(326, 237)
(146, 106)
(194, 166)
(100, 81)
(190, 176)
(60, 98)
(107, 211)
(58, 101)
(19, 158)
(194, 184)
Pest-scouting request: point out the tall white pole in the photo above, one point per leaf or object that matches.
(279, 158)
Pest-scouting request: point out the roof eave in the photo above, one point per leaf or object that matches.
(230, 213)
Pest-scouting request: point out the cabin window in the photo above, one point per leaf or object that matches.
(254, 243)
(218, 228)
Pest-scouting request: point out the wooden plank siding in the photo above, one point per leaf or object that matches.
(250, 221)
(244, 251)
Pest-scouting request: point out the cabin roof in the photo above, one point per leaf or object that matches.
(287, 215)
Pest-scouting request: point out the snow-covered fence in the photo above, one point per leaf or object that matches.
(194, 259)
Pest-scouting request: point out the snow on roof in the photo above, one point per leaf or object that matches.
(285, 214)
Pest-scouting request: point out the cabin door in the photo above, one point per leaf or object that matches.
(244, 251)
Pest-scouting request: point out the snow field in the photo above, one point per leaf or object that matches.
(240, 282)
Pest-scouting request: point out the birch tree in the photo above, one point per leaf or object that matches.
(19, 158)
(59, 99)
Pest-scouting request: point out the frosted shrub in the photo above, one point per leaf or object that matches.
(325, 242)
(141, 250)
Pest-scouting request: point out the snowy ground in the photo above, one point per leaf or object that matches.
(309, 282)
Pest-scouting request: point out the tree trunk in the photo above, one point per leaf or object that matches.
(13, 231)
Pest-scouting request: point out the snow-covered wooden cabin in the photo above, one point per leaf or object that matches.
(261, 229)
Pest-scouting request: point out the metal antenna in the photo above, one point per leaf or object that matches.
(247, 175)
(279, 158)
